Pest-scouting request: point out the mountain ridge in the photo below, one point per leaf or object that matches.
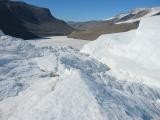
(91, 30)
(29, 21)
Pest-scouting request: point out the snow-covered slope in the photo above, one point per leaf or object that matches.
(135, 52)
(61, 83)
(135, 15)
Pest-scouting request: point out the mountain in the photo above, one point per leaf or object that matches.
(26, 21)
(135, 15)
(91, 30)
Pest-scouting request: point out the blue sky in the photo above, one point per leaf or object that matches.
(84, 10)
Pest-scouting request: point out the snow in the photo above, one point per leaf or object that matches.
(59, 41)
(52, 81)
(149, 41)
(134, 53)
(151, 12)
(47, 63)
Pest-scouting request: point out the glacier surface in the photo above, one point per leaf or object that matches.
(133, 54)
(62, 83)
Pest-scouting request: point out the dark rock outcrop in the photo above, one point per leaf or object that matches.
(26, 21)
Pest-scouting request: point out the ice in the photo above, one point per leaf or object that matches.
(134, 53)
(59, 41)
(1, 33)
(61, 83)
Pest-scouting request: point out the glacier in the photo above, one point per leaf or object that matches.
(133, 54)
(63, 83)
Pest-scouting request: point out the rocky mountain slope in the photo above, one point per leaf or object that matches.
(26, 21)
(120, 23)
